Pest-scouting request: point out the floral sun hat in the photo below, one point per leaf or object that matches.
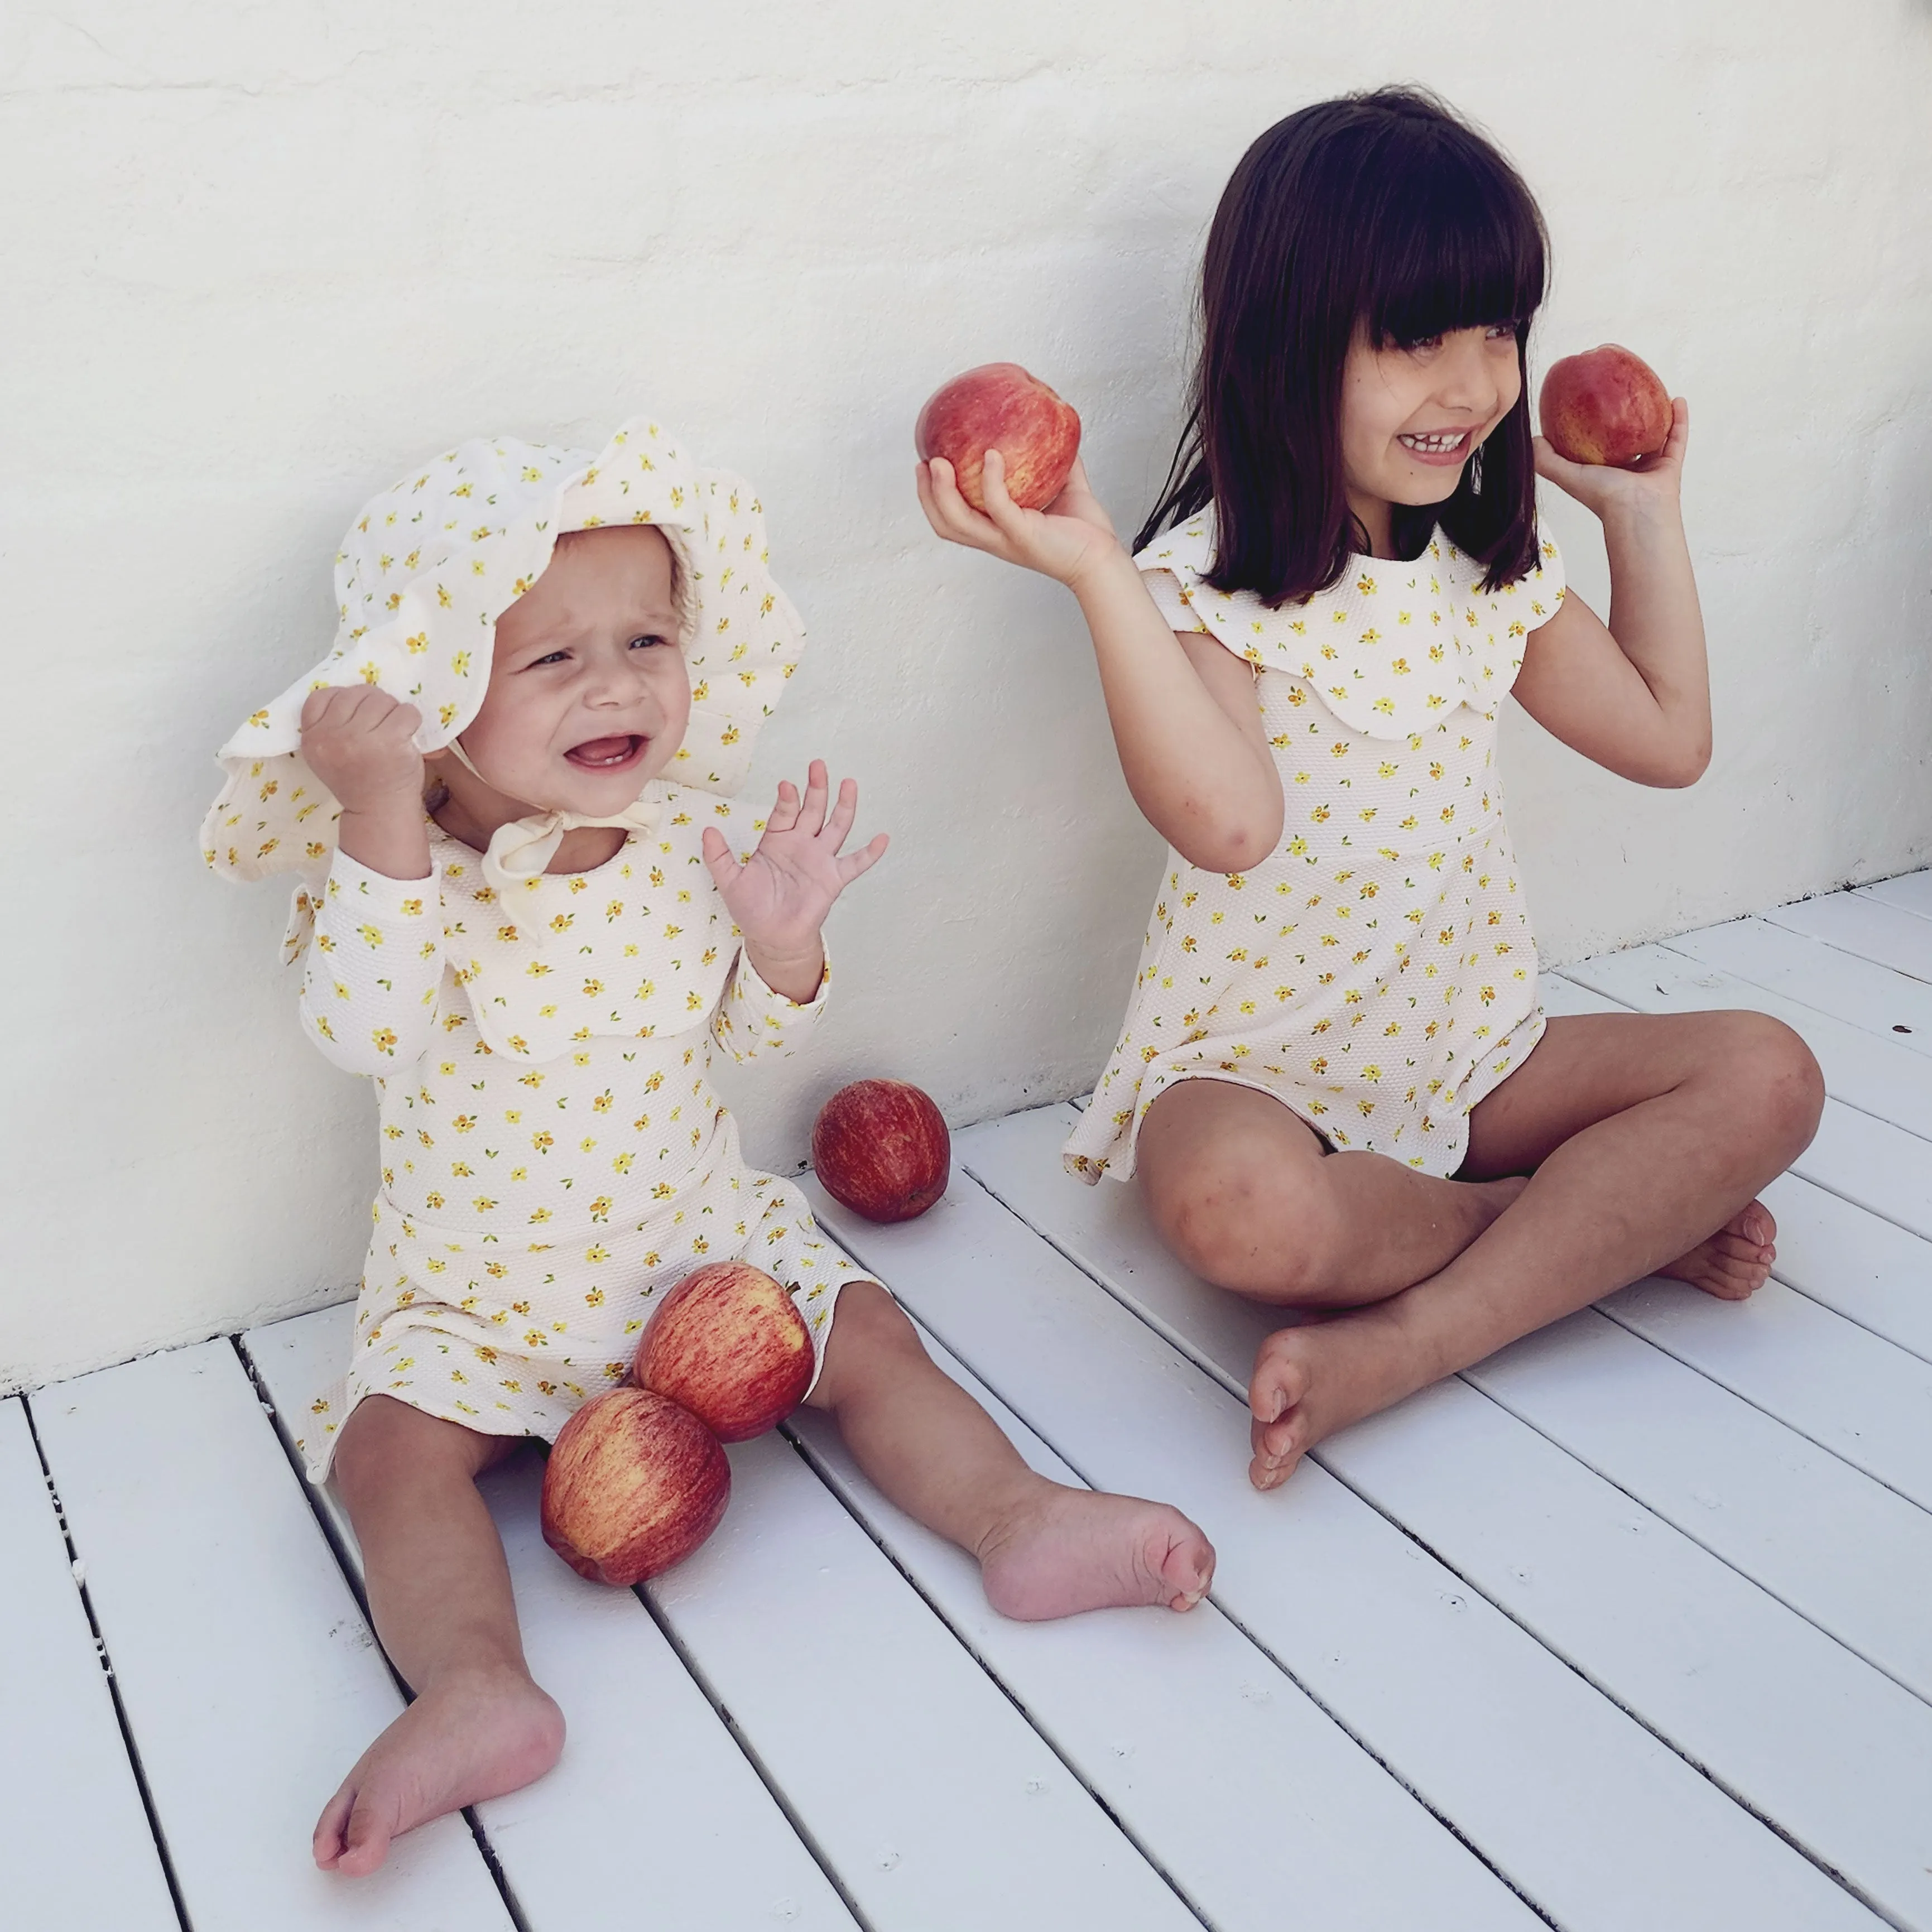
(431, 564)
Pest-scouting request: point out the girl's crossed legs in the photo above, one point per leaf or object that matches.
(1644, 1139)
(439, 1590)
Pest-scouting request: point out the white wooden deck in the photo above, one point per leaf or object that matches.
(1627, 1629)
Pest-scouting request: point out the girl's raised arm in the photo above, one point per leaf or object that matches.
(1633, 696)
(1186, 722)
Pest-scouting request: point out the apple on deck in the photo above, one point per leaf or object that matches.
(881, 1149)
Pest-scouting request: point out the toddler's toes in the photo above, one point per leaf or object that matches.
(1189, 1566)
(366, 1842)
(329, 1842)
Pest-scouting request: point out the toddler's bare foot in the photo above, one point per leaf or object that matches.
(1736, 1261)
(1064, 1550)
(470, 1736)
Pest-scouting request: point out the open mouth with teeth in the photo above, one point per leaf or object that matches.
(1445, 445)
(607, 754)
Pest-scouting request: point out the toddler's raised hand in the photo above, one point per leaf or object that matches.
(780, 896)
(1071, 536)
(360, 742)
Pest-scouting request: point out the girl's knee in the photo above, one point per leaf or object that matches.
(1246, 1222)
(1794, 1087)
(1777, 1085)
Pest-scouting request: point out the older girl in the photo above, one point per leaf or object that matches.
(1335, 1081)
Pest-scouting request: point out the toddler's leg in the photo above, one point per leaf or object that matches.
(1649, 1136)
(439, 1591)
(1044, 1550)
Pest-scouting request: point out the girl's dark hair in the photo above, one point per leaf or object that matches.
(1383, 213)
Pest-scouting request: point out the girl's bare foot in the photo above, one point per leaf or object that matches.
(1313, 1381)
(1310, 1381)
(471, 1735)
(1736, 1261)
(1065, 1550)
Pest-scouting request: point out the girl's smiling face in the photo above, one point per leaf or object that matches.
(588, 695)
(1411, 417)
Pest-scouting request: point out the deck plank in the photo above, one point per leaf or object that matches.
(1547, 1539)
(1886, 934)
(1846, 1552)
(1868, 1271)
(1230, 1776)
(76, 1850)
(1807, 969)
(250, 1680)
(1850, 1391)
(647, 1762)
(1910, 891)
(1599, 1823)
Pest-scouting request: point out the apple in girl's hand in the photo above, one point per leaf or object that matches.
(633, 1484)
(730, 1345)
(881, 1148)
(1000, 406)
(1604, 405)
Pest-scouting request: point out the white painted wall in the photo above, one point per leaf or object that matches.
(257, 258)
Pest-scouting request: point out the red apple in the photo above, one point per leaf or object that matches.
(729, 1344)
(1000, 406)
(881, 1148)
(634, 1483)
(1604, 405)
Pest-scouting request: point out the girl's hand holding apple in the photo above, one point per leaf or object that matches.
(1650, 483)
(1072, 536)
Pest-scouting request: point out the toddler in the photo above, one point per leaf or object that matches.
(507, 795)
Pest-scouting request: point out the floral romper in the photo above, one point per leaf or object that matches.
(1376, 974)
(553, 1153)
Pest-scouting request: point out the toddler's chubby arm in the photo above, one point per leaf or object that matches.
(779, 898)
(374, 966)
(1634, 696)
(1183, 710)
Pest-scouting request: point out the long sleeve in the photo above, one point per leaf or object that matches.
(373, 969)
(754, 1022)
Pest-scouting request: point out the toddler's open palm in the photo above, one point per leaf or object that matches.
(779, 898)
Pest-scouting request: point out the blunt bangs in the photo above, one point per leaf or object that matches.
(1382, 215)
(1459, 244)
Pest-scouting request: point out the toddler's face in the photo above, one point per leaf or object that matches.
(1412, 417)
(588, 694)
